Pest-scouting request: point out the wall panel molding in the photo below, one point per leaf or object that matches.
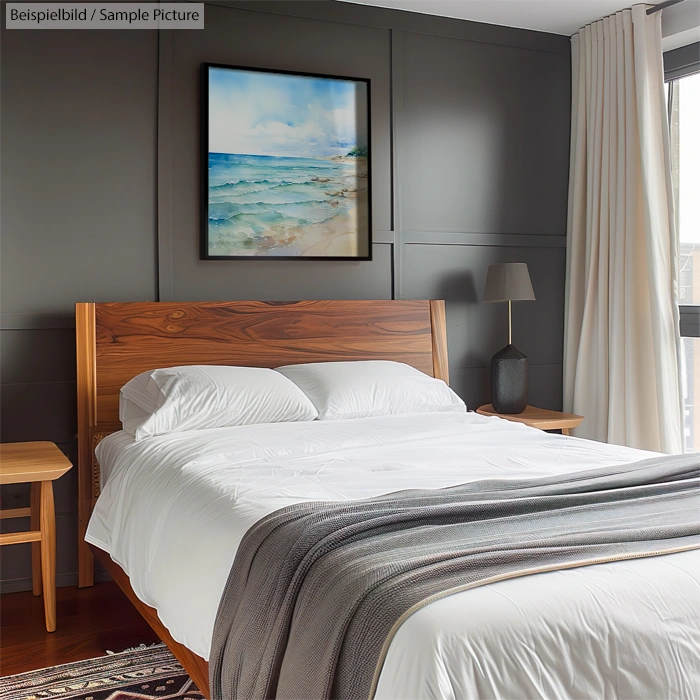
(165, 165)
(397, 132)
(383, 237)
(501, 240)
(35, 321)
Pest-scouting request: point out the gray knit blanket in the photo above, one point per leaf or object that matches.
(317, 590)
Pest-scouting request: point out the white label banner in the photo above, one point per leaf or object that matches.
(111, 15)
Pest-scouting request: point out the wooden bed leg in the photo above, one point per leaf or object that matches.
(86, 566)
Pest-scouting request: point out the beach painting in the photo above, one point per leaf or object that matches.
(286, 165)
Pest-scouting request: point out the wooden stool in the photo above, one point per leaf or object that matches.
(38, 463)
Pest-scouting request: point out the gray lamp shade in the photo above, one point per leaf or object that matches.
(508, 282)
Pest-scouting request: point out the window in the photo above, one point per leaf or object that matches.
(683, 94)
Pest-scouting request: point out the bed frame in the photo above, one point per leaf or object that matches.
(117, 341)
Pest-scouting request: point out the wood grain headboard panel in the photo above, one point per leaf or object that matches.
(117, 341)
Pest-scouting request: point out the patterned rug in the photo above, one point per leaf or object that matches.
(141, 674)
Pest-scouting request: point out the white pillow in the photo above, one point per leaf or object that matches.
(371, 388)
(206, 396)
(138, 398)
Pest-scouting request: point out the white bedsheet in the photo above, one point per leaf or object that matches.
(174, 508)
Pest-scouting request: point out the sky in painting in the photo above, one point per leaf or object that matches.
(274, 114)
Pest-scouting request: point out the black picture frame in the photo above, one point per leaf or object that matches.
(205, 238)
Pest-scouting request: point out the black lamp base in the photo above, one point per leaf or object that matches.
(509, 381)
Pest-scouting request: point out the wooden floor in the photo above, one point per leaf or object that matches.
(90, 621)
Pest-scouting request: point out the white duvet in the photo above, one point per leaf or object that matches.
(174, 508)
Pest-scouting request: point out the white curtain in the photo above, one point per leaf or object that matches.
(621, 341)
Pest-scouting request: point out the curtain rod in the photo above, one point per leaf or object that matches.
(662, 5)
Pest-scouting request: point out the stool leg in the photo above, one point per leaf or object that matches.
(36, 546)
(564, 431)
(48, 554)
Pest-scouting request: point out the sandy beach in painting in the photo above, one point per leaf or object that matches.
(281, 206)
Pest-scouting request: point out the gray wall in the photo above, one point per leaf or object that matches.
(78, 222)
(470, 133)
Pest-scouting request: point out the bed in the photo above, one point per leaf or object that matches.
(614, 629)
(116, 341)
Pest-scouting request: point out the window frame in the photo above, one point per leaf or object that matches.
(680, 63)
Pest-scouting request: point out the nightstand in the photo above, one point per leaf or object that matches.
(541, 418)
(37, 463)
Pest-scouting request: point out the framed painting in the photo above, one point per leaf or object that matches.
(285, 165)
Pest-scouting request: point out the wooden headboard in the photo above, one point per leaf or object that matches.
(117, 341)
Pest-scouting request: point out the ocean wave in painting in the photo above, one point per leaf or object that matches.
(264, 204)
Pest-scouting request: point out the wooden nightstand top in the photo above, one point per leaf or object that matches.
(541, 418)
(23, 462)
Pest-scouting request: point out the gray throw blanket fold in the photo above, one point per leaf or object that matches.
(317, 590)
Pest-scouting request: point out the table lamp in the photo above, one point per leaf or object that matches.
(508, 282)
